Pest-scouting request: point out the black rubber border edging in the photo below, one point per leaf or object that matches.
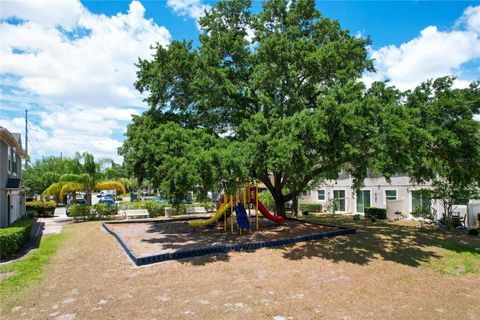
(182, 254)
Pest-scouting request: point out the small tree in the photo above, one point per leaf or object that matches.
(422, 213)
(449, 194)
(332, 205)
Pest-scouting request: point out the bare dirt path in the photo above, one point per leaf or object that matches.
(91, 278)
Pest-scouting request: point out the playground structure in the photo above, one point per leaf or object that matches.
(237, 204)
(147, 242)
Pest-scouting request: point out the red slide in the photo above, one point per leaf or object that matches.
(264, 211)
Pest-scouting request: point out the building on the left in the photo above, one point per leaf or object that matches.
(12, 190)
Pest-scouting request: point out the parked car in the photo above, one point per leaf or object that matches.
(104, 193)
(77, 201)
(108, 196)
(107, 201)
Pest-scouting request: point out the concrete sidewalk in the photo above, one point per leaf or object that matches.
(44, 226)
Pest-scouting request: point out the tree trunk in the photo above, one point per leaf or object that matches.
(89, 198)
(276, 191)
(280, 205)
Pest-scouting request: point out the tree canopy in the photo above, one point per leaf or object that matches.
(274, 95)
(445, 139)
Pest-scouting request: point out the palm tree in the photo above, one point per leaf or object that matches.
(88, 181)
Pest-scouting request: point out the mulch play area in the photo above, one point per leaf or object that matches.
(148, 242)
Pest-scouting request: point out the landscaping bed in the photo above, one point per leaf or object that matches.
(14, 237)
(148, 242)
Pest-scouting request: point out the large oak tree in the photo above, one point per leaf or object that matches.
(274, 95)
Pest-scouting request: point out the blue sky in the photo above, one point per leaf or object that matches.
(70, 63)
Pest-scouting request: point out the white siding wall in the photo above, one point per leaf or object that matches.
(377, 188)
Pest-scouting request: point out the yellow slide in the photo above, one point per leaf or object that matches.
(212, 219)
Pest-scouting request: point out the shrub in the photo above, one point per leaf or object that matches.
(373, 219)
(104, 209)
(14, 237)
(40, 208)
(79, 211)
(378, 213)
(356, 217)
(155, 209)
(310, 207)
(267, 200)
(210, 206)
(474, 232)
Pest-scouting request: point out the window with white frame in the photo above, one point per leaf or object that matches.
(391, 194)
(321, 194)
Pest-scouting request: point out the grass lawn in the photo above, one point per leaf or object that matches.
(22, 273)
(385, 271)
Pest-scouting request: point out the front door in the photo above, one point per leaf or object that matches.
(363, 200)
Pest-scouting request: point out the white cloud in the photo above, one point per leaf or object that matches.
(68, 58)
(432, 54)
(191, 8)
(471, 18)
(45, 12)
(73, 130)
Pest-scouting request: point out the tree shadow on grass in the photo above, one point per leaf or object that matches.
(381, 241)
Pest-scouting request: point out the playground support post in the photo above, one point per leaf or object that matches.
(231, 213)
(256, 205)
(225, 199)
(249, 200)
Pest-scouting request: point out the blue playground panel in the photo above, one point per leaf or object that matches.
(242, 217)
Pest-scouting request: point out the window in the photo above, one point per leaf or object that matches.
(421, 198)
(363, 200)
(306, 194)
(339, 196)
(9, 160)
(321, 194)
(14, 161)
(391, 194)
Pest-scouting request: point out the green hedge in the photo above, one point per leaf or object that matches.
(372, 212)
(79, 211)
(158, 209)
(14, 237)
(105, 209)
(40, 208)
(310, 207)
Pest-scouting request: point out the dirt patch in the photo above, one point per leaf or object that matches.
(371, 275)
(149, 238)
(5, 275)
